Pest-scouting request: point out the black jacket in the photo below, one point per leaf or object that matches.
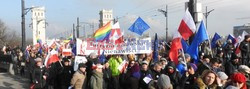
(142, 84)
(188, 82)
(66, 76)
(37, 76)
(231, 67)
(107, 79)
(175, 77)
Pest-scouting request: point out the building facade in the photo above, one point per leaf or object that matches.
(238, 30)
(105, 17)
(38, 24)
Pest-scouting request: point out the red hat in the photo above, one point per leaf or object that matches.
(238, 77)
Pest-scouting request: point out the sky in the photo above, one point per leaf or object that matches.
(61, 14)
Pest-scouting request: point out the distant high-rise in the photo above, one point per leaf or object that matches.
(105, 17)
(38, 24)
(238, 30)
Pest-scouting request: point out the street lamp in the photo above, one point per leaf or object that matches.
(24, 12)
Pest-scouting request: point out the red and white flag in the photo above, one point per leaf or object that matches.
(187, 26)
(66, 52)
(116, 35)
(51, 58)
(175, 47)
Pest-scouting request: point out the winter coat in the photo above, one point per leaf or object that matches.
(37, 76)
(175, 77)
(55, 69)
(201, 85)
(142, 84)
(66, 76)
(188, 82)
(231, 68)
(245, 49)
(96, 80)
(201, 67)
(181, 67)
(107, 79)
(114, 64)
(78, 80)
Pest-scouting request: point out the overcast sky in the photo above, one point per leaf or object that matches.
(61, 14)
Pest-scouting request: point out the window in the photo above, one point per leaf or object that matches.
(41, 14)
(38, 14)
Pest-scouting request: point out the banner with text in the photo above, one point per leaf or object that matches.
(130, 46)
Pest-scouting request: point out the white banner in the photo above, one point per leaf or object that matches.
(78, 60)
(130, 46)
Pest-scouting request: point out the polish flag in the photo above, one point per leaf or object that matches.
(51, 58)
(237, 46)
(175, 47)
(66, 52)
(116, 35)
(187, 26)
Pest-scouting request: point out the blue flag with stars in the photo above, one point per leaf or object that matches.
(139, 26)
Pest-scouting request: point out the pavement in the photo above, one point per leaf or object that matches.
(8, 81)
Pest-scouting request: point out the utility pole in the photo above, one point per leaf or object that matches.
(165, 12)
(77, 28)
(206, 15)
(191, 4)
(23, 25)
(74, 31)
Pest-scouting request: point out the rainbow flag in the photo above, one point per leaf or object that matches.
(103, 33)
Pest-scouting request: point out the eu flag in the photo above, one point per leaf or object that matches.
(184, 45)
(139, 26)
(214, 40)
(102, 58)
(155, 53)
(200, 36)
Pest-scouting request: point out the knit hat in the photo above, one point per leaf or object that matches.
(144, 62)
(222, 75)
(232, 87)
(65, 60)
(186, 55)
(82, 65)
(244, 68)
(164, 81)
(38, 59)
(238, 77)
(193, 66)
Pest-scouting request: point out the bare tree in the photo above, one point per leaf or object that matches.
(3, 35)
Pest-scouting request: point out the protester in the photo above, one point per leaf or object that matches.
(238, 80)
(107, 76)
(96, 80)
(145, 72)
(232, 65)
(208, 80)
(78, 80)
(39, 74)
(245, 50)
(174, 75)
(182, 66)
(66, 74)
(188, 79)
(114, 63)
(164, 82)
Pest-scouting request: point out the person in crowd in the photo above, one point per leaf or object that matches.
(229, 49)
(174, 75)
(107, 76)
(54, 70)
(218, 47)
(164, 82)
(144, 73)
(39, 74)
(155, 74)
(132, 77)
(188, 79)
(114, 63)
(246, 71)
(208, 80)
(164, 62)
(31, 64)
(78, 80)
(238, 80)
(222, 78)
(232, 65)
(182, 66)
(245, 50)
(140, 58)
(96, 80)
(92, 60)
(216, 64)
(66, 75)
(203, 64)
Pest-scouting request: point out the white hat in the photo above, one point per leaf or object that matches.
(144, 62)
(222, 75)
(38, 59)
(244, 68)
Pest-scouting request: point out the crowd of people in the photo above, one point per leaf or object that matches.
(218, 68)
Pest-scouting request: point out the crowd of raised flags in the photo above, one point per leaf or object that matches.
(182, 46)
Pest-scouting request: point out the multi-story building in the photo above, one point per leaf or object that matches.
(105, 17)
(238, 30)
(38, 24)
